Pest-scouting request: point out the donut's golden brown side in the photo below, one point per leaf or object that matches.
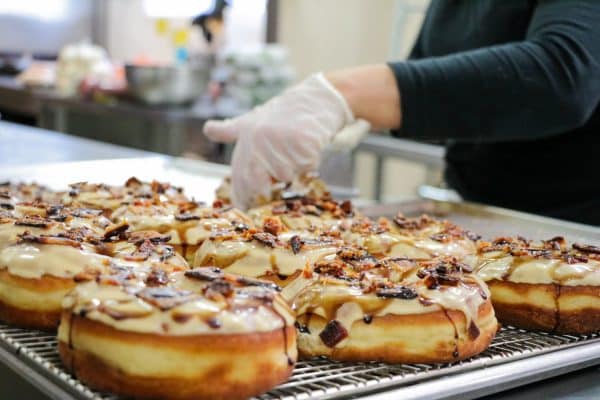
(153, 366)
(548, 307)
(439, 336)
(32, 303)
(579, 309)
(524, 305)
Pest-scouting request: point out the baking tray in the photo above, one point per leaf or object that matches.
(490, 221)
(516, 357)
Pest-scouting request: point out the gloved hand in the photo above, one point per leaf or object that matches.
(284, 137)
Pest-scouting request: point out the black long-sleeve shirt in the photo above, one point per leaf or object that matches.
(512, 87)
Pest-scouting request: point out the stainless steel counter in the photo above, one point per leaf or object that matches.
(23, 145)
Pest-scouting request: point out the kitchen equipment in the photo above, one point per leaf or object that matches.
(516, 357)
(168, 84)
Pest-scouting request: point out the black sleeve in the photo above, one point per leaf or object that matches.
(545, 85)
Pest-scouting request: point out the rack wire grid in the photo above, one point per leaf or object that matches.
(318, 378)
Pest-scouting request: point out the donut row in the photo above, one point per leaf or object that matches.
(160, 296)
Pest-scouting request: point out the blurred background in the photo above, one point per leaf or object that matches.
(147, 74)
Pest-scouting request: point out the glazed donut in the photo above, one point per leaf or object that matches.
(354, 307)
(13, 193)
(549, 285)
(187, 223)
(37, 270)
(271, 254)
(40, 218)
(109, 198)
(418, 238)
(198, 334)
(305, 213)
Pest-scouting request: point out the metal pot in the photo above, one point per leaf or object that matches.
(168, 85)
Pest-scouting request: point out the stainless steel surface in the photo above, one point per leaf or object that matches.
(383, 147)
(491, 221)
(515, 357)
(16, 98)
(387, 146)
(20, 144)
(173, 84)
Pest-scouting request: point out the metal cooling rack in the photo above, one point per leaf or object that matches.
(34, 354)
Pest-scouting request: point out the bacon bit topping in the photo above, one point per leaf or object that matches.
(143, 251)
(34, 221)
(133, 182)
(247, 281)
(85, 276)
(296, 244)
(445, 272)
(213, 322)
(301, 327)
(7, 206)
(586, 248)
(356, 254)
(48, 239)
(217, 289)
(241, 227)
(333, 333)
(164, 297)
(186, 216)
(139, 237)
(157, 277)
(412, 223)
(346, 207)
(473, 331)
(265, 238)
(397, 292)
(205, 273)
(218, 203)
(114, 231)
(273, 226)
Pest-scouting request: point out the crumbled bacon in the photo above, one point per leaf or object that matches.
(205, 273)
(115, 230)
(265, 238)
(273, 226)
(333, 333)
(296, 244)
(157, 277)
(397, 292)
(164, 297)
(34, 221)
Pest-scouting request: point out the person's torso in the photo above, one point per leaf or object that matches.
(556, 175)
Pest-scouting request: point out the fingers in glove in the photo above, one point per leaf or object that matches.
(226, 131)
(250, 179)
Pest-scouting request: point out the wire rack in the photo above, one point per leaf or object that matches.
(314, 379)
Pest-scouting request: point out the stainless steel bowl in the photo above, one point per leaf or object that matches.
(165, 85)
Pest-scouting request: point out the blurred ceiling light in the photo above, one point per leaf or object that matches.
(176, 8)
(38, 9)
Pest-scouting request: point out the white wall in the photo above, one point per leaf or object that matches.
(329, 34)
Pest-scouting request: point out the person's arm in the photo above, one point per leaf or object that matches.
(547, 84)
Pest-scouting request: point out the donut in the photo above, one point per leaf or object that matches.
(109, 198)
(418, 238)
(38, 269)
(545, 285)
(271, 253)
(188, 223)
(198, 334)
(355, 307)
(305, 213)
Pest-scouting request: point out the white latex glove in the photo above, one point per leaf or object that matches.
(284, 137)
